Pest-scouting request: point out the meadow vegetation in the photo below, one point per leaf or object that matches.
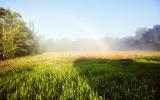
(84, 76)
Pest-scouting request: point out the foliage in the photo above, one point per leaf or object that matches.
(16, 39)
(145, 39)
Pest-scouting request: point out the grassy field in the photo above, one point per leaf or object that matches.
(82, 76)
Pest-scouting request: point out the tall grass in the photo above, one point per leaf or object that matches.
(68, 77)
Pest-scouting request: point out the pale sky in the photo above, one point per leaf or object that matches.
(86, 18)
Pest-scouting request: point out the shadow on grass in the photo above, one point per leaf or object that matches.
(120, 79)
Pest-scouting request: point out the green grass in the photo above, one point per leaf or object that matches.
(42, 78)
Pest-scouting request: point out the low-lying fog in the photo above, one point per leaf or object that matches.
(144, 39)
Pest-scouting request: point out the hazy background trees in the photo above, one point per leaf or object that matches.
(146, 39)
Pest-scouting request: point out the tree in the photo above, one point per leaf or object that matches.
(16, 39)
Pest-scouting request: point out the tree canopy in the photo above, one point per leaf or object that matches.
(16, 38)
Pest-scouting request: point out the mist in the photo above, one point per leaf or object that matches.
(145, 39)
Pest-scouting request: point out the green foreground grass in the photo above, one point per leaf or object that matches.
(85, 78)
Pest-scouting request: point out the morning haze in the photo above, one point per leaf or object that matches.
(79, 50)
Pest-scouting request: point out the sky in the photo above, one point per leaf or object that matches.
(77, 19)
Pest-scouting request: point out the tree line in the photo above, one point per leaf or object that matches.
(16, 38)
(144, 39)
